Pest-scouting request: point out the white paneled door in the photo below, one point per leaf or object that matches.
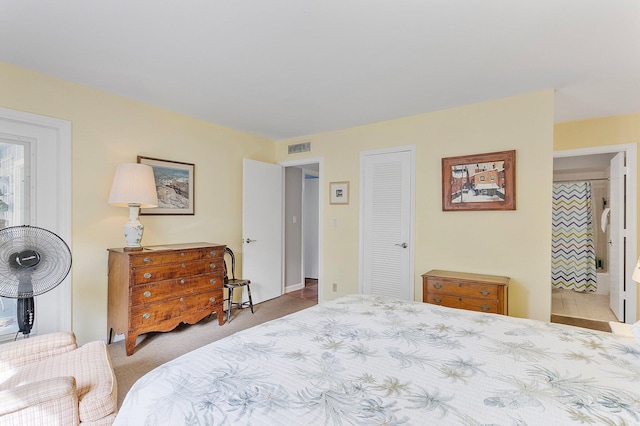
(616, 236)
(387, 223)
(262, 210)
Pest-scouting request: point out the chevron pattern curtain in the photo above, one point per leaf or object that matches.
(573, 250)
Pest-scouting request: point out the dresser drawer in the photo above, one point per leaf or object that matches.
(462, 288)
(150, 317)
(159, 287)
(162, 258)
(173, 270)
(468, 303)
(151, 293)
(475, 292)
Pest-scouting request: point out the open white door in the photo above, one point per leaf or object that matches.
(616, 235)
(262, 229)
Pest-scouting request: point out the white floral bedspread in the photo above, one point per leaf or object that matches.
(368, 360)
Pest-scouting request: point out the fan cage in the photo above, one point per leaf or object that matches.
(54, 265)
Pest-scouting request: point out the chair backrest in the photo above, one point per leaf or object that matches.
(228, 251)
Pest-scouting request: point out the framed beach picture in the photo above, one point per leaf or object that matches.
(339, 193)
(479, 182)
(174, 185)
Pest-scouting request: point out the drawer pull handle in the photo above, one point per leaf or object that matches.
(147, 275)
(181, 281)
(212, 281)
(437, 285)
(146, 315)
(182, 254)
(182, 299)
(212, 299)
(147, 293)
(212, 253)
(485, 307)
(437, 299)
(147, 260)
(212, 266)
(485, 292)
(182, 265)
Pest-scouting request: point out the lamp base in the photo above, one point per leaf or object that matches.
(133, 229)
(134, 248)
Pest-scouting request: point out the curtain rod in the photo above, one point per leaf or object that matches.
(579, 180)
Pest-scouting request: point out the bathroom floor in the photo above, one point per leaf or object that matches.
(582, 305)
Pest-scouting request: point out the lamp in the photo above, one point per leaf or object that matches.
(134, 187)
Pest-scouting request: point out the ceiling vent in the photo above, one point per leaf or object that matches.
(300, 147)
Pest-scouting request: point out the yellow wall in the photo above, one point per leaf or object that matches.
(513, 243)
(108, 130)
(615, 130)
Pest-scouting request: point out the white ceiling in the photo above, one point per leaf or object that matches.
(287, 68)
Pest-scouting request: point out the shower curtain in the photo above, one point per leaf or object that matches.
(573, 263)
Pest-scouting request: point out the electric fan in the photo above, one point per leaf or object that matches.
(32, 261)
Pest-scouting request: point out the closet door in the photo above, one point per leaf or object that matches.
(387, 223)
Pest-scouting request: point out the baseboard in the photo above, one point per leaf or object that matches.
(294, 287)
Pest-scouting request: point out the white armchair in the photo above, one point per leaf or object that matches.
(48, 380)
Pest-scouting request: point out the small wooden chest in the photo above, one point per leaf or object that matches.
(474, 292)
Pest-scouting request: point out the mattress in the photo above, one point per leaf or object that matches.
(369, 360)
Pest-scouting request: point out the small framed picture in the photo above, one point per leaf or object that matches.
(339, 193)
(174, 184)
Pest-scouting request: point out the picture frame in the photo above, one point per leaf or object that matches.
(174, 185)
(339, 192)
(479, 182)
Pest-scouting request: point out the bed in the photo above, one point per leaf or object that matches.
(372, 360)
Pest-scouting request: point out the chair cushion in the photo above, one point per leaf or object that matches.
(90, 365)
(25, 351)
(47, 402)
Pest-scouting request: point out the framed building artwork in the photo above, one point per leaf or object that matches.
(479, 182)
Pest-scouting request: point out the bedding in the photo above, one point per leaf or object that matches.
(372, 360)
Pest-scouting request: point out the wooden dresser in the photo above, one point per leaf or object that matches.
(474, 292)
(159, 287)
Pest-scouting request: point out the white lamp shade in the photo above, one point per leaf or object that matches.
(636, 273)
(133, 183)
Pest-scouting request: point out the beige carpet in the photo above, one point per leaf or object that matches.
(154, 349)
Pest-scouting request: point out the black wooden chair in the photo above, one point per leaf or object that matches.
(232, 283)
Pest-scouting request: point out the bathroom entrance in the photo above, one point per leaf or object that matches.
(594, 238)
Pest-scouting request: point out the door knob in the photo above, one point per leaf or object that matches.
(403, 245)
(249, 240)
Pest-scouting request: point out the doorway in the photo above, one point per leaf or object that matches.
(31, 181)
(606, 292)
(302, 201)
